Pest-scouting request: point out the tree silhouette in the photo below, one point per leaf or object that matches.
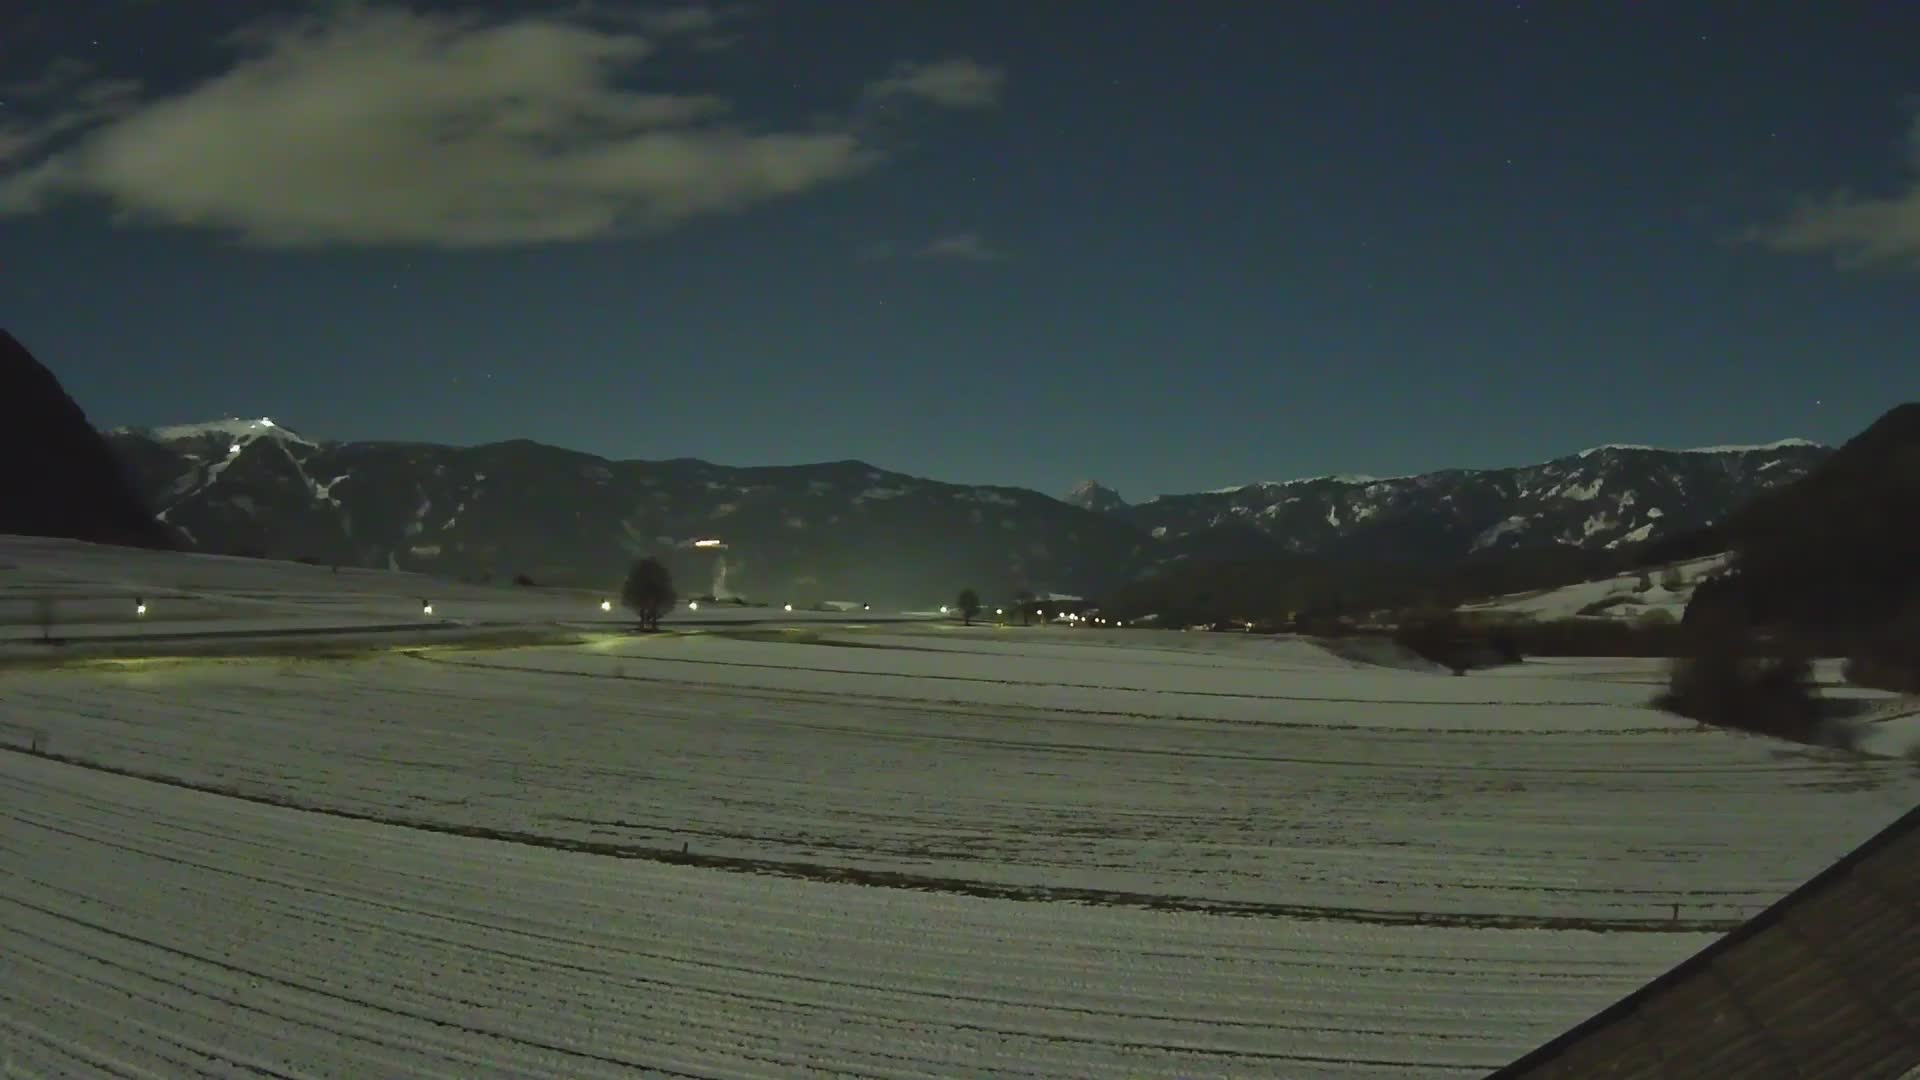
(1024, 601)
(648, 592)
(969, 605)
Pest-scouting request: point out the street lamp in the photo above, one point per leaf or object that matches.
(606, 605)
(789, 607)
(693, 605)
(426, 607)
(139, 606)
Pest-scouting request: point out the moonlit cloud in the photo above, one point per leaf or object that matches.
(698, 20)
(371, 126)
(957, 83)
(965, 247)
(1856, 230)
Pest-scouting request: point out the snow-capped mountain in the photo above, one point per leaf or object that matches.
(849, 529)
(1095, 496)
(1603, 497)
(804, 533)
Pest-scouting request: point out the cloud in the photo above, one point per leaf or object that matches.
(687, 19)
(698, 20)
(371, 126)
(1857, 231)
(966, 247)
(958, 83)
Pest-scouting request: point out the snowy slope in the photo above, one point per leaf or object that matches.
(1609, 598)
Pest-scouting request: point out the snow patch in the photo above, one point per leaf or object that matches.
(1782, 444)
(1580, 492)
(1632, 537)
(234, 428)
(1491, 535)
(419, 522)
(324, 492)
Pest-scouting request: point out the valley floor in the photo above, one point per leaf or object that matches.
(885, 852)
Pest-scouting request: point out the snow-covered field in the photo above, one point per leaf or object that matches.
(97, 593)
(889, 851)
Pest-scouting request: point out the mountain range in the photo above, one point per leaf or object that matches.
(1607, 497)
(844, 530)
(850, 530)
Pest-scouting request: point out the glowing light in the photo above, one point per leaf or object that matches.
(708, 543)
(789, 607)
(426, 609)
(943, 609)
(234, 449)
(606, 605)
(693, 605)
(139, 607)
(264, 422)
(999, 611)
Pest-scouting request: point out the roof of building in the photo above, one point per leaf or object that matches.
(1825, 983)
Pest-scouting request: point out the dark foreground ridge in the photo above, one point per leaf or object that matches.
(59, 477)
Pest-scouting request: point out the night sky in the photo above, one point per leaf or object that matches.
(1169, 246)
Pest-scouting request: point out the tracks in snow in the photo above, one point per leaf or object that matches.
(148, 929)
(852, 875)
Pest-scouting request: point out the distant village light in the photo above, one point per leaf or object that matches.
(693, 605)
(789, 607)
(943, 609)
(139, 607)
(426, 608)
(606, 605)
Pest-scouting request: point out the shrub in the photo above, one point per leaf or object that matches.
(1721, 682)
(1889, 658)
(1439, 637)
(524, 581)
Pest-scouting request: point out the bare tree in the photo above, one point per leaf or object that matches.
(1024, 601)
(648, 592)
(969, 605)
